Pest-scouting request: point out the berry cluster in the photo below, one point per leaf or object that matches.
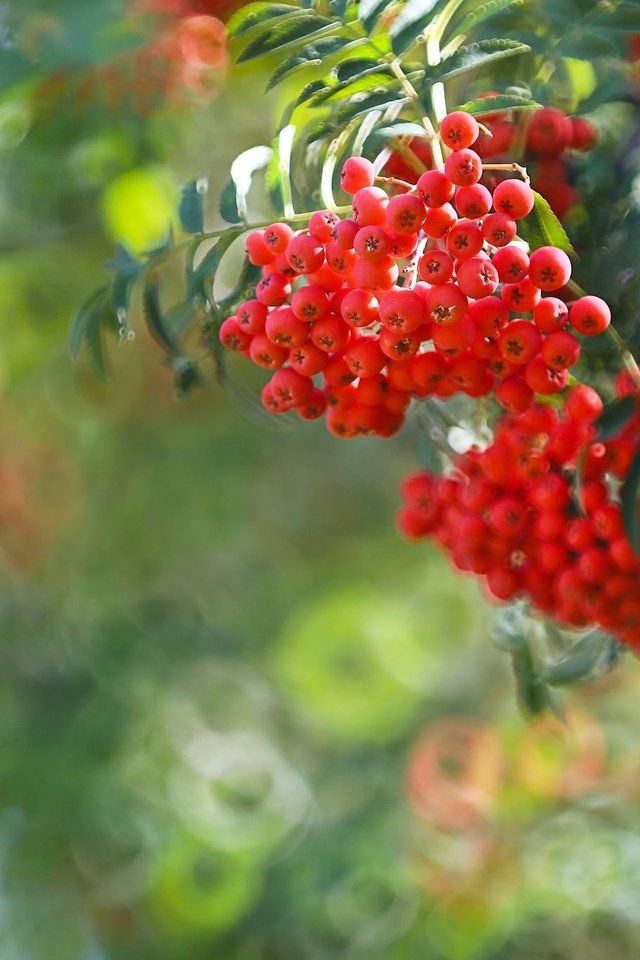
(550, 135)
(484, 315)
(515, 515)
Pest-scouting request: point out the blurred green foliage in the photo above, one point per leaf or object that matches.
(241, 718)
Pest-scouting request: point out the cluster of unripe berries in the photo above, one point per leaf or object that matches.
(515, 515)
(475, 313)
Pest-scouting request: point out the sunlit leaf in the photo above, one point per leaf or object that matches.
(242, 171)
(371, 79)
(369, 12)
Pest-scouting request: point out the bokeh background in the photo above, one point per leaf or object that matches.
(241, 719)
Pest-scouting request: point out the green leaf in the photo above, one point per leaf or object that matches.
(369, 12)
(482, 13)
(615, 415)
(414, 17)
(586, 46)
(242, 170)
(371, 79)
(187, 376)
(355, 67)
(228, 206)
(206, 269)
(629, 503)
(254, 14)
(473, 56)
(83, 319)
(154, 319)
(401, 128)
(534, 696)
(311, 53)
(284, 32)
(618, 16)
(191, 209)
(580, 661)
(346, 112)
(497, 104)
(544, 229)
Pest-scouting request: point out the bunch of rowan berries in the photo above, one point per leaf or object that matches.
(475, 312)
(550, 137)
(515, 515)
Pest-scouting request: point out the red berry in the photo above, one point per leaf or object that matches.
(590, 316)
(463, 167)
(364, 357)
(435, 188)
(359, 308)
(477, 278)
(330, 333)
(371, 243)
(459, 130)
(304, 253)
(464, 239)
(512, 264)
(549, 268)
(473, 201)
(369, 206)
(277, 236)
(357, 172)
(519, 342)
(542, 379)
(513, 198)
(257, 250)
(405, 214)
(498, 229)
(309, 303)
(560, 350)
(520, 297)
(273, 290)
(233, 337)
(322, 225)
(435, 267)
(446, 303)
(550, 314)
(402, 311)
(549, 132)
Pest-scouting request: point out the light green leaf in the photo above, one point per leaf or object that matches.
(371, 79)
(474, 56)
(302, 27)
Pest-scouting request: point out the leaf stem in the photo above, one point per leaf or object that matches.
(512, 167)
(412, 93)
(396, 181)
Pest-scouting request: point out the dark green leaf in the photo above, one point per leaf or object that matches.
(544, 229)
(629, 502)
(615, 415)
(95, 327)
(228, 206)
(412, 20)
(481, 13)
(473, 56)
(369, 11)
(580, 661)
(83, 319)
(309, 54)
(191, 209)
(585, 46)
(187, 376)
(253, 14)
(206, 269)
(370, 79)
(534, 696)
(618, 16)
(499, 103)
(355, 67)
(379, 99)
(154, 319)
(286, 31)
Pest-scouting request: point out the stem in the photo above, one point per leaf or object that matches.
(621, 347)
(397, 182)
(285, 144)
(512, 167)
(412, 93)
